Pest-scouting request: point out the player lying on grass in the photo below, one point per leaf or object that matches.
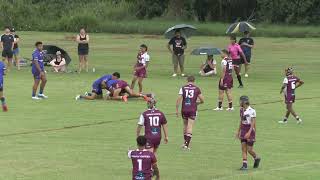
(140, 68)
(153, 120)
(290, 84)
(188, 96)
(144, 162)
(247, 132)
(104, 82)
(121, 91)
(2, 98)
(226, 81)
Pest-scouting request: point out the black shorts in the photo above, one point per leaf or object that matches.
(236, 62)
(248, 59)
(249, 143)
(7, 53)
(83, 52)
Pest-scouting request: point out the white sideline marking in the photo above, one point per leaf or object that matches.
(263, 171)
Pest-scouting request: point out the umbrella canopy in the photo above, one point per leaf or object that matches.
(206, 51)
(50, 53)
(185, 29)
(240, 27)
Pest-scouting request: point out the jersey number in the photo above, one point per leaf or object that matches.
(189, 93)
(293, 85)
(154, 120)
(139, 164)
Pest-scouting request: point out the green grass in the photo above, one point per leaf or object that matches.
(98, 150)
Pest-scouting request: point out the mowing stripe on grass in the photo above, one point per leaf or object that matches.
(249, 173)
(121, 120)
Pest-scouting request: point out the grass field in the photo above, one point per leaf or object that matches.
(61, 139)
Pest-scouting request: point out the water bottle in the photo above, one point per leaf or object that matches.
(93, 69)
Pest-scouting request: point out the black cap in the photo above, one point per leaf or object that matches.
(244, 99)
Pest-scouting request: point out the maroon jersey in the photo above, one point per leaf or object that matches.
(190, 95)
(246, 116)
(289, 92)
(227, 80)
(142, 161)
(152, 120)
(121, 84)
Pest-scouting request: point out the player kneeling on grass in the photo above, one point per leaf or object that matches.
(38, 72)
(121, 91)
(140, 68)
(2, 98)
(209, 67)
(290, 83)
(104, 82)
(247, 132)
(152, 120)
(188, 96)
(144, 162)
(226, 81)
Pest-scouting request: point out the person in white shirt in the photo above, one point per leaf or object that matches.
(247, 132)
(140, 68)
(59, 63)
(209, 67)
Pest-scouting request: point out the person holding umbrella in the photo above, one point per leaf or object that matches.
(179, 44)
(246, 44)
(236, 53)
(83, 49)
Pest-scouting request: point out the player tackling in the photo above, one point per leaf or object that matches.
(144, 162)
(188, 96)
(290, 84)
(152, 120)
(247, 132)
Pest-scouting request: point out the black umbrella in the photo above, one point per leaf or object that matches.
(206, 51)
(240, 27)
(50, 53)
(185, 29)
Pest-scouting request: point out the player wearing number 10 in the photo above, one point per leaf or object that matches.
(143, 161)
(290, 83)
(152, 120)
(188, 96)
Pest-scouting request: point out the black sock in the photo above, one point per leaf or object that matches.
(3, 100)
(230, 104)
(220, 104)
(239, 79)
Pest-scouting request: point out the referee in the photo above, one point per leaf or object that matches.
(7, 43)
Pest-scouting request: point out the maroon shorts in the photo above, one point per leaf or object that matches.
(227, 84)
(153, 143)
(189, 115)
(290, 99)
(243, 131)
(142, 73)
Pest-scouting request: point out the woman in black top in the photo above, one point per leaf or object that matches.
(83, 49)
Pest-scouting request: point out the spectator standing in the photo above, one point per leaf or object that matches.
(16, 49)
(83, 50)
(246, 44)
(179, 44)
(7, 43)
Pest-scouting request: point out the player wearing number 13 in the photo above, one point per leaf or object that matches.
(152, 120)
(290, 83)
(188, 96)
(143, 161)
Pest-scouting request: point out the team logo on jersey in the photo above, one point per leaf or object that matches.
(154, 131)
(139, 176)
(187, 102)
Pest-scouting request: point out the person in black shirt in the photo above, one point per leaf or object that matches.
(246, 44)
(83, 49)
(16, 49)
(7, 43)
(179, 44)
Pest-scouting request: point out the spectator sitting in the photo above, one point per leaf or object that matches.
(209, 67)
(59, 63)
